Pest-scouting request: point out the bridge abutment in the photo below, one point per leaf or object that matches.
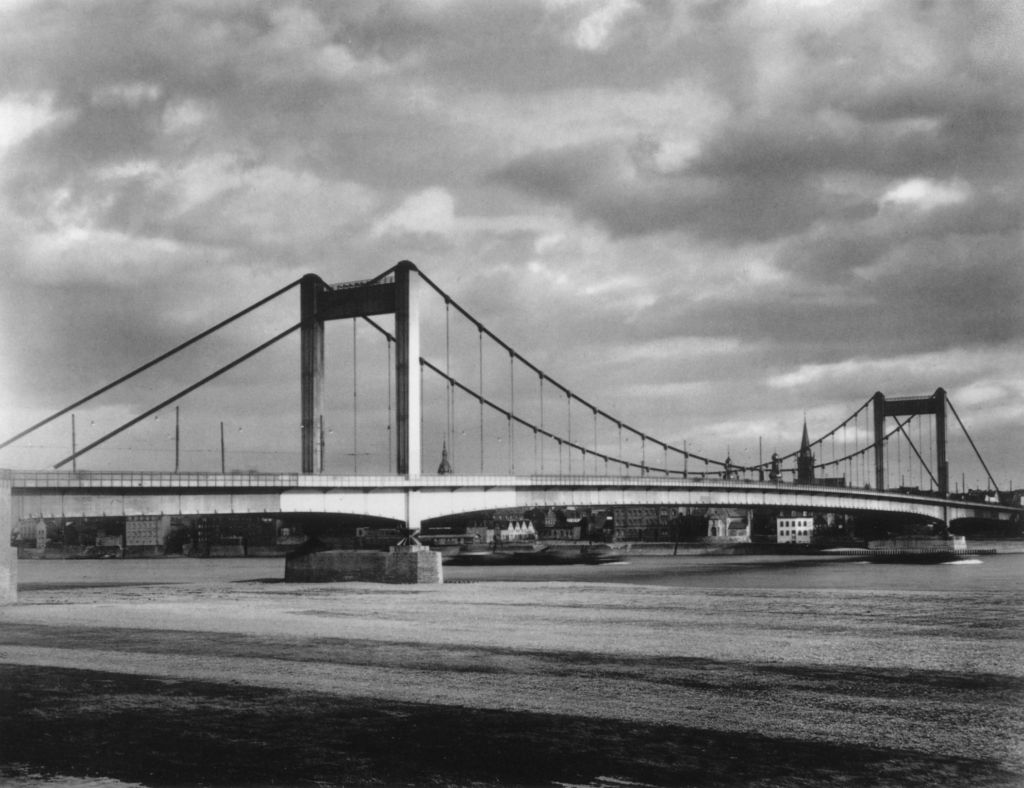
(8, 553)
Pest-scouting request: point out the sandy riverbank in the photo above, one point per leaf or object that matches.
(252, 681)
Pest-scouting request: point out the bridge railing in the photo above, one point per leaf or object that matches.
(142, 479)
(207, 480)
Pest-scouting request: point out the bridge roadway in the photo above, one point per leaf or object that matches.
(36, 494)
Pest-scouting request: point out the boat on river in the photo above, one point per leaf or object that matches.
(572, 554)
(478, 555)
(921, 550)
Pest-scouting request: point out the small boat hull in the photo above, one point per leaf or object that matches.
(910, 557)
(921, 550)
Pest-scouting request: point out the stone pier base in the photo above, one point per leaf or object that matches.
(8, 554)
(401, 564)
(8, 575)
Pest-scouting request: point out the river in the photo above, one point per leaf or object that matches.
(996, 573)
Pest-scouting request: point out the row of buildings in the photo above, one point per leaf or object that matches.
(630, 524)
(250, 536)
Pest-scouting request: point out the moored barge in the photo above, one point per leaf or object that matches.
(922, 550)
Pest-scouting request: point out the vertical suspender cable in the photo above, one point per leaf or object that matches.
(355, 403)
(541, 378)
(388, 429)
(931, 444)
(423, 396)
(568, 409)
(480, 337)
(921, 470)
(899, 459)
(449, 409)
(511, 412)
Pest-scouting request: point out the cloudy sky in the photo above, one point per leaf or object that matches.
(711, 218)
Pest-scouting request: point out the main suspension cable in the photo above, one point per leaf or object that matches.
(151, 363)
(484, 401)
(180, 394)
(971, 441)
(537, 370)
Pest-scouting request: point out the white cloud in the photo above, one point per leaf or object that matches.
(596, 28)
(942, 368)
(23, 115)
(985, 392)
(429, 212)
(277, 205)
(668, 119)
(925, 194)
(84, 254)
(185, 115)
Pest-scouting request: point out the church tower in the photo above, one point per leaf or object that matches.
(445, 467)
(805, 460)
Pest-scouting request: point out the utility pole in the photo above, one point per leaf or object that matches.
(177, 439)
(222, 447)
(74, 460)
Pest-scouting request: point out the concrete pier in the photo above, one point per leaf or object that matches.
(401, 564)
(8, 554)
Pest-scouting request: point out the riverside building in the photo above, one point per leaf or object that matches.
(794, 530)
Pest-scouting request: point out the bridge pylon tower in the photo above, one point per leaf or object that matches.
(934, 405)
(394, 292)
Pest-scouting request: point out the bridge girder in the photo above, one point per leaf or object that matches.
(412, 501)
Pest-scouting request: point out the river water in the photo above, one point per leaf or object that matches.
(993, 573)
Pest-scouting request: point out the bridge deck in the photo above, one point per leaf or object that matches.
(590, 488)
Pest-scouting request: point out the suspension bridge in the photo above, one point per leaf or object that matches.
(511, 434)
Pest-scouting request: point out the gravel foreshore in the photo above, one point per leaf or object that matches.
(259, 682)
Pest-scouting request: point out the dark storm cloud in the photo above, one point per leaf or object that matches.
(704, 200)
(861, 106)
(609, 184)
(759, 178)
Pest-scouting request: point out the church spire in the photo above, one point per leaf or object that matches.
(445, 467)
(805, 459)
